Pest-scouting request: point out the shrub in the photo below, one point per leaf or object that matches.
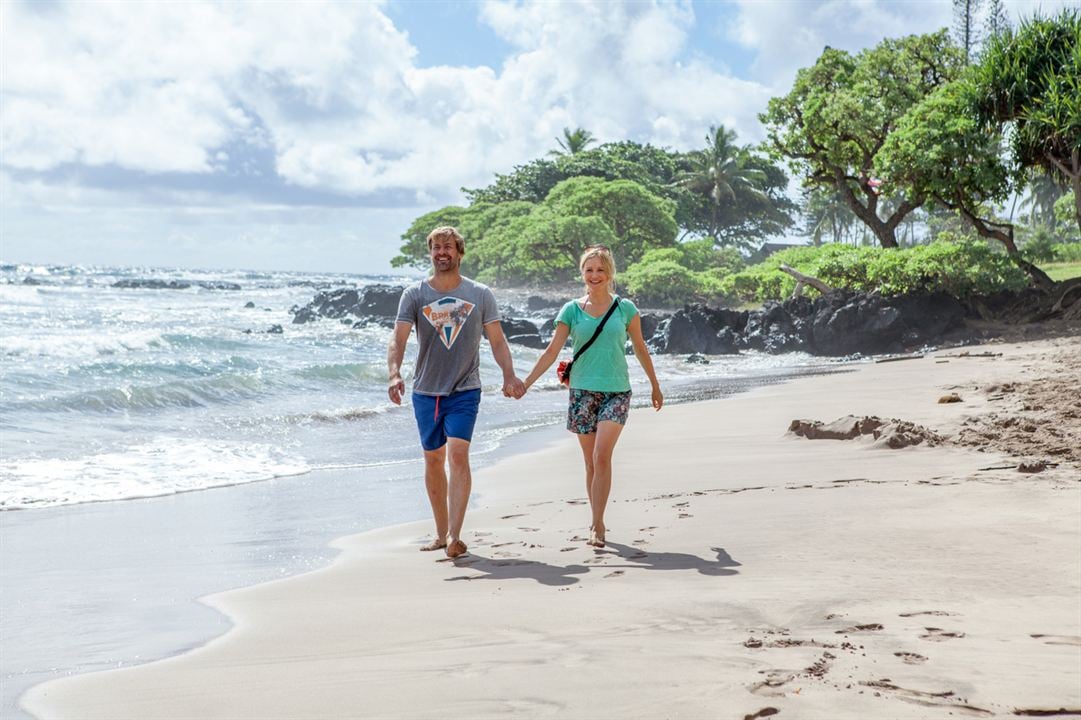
(958, 267)
(662, 282)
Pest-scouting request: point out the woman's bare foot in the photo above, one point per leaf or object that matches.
(596, 536)
(434, 545)
(456, 548)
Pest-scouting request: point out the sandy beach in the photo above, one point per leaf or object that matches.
(749, 573)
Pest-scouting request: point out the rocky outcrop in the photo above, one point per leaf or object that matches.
(522, 332)
(157, 284)
(374, 302)
(837, 324)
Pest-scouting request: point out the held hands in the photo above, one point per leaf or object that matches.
(513, 387)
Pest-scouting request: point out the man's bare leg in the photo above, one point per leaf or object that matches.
(461, 484)
(435, 479)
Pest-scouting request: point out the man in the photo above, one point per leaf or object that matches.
(449, 312)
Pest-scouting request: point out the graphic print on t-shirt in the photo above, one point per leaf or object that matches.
(448, 315)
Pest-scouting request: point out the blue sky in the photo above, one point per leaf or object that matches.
(308, 135)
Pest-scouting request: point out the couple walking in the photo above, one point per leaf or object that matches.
(450, 312)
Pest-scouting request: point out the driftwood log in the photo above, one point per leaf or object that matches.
(802, 280)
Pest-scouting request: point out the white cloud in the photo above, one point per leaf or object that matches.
(333, 90)
(787, 35)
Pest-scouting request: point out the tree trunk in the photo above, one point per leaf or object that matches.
(884, 231)
(1004, 234)
(1076, 182)
(802, 280)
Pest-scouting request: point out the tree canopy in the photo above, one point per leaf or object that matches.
(835, 120)
(1029, 79)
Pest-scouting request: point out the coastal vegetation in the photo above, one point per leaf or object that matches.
(927, 163)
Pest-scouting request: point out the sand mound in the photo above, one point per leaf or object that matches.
(892, 433)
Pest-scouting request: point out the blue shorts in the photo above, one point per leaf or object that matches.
(440, 417)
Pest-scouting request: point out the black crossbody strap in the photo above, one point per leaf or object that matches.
(597, 332)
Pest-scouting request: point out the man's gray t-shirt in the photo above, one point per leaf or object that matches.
(449, 328)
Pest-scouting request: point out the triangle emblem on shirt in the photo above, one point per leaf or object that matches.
(448, 315)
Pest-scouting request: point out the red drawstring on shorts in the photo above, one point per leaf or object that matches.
(436, 417)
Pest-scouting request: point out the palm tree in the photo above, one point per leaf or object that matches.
(827, 214)
(1043, 192)
(723, 174)
(573, 142)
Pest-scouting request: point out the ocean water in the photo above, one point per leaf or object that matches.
(158, 445)
(112, 393)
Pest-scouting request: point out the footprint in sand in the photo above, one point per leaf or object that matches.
(508, 517)
(764, 712)
(869, 627)
(567, 549)
(528, 529)
(682, 504)
(504, 544)
(939, 635)
(911, 658)
(577, 502)
(946, 698)
(685, 515)
(647, 529)
(927, 612)
(1057, 639)
(614, 573)
(505, 554)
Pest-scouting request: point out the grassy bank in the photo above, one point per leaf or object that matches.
(1063, 271)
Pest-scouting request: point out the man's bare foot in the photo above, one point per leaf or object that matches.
(433, 545)
(596, 537)
(456, 548)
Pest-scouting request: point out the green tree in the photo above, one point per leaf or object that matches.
(965, 20)
(733, 187)
(1029, 78)
(940, 151)
(529, 183)
(573, 142)
(542, 246)
(825, 215)
(840, 111)
(638, 219)
(996, 21)
(414, 250)
(1041, 194)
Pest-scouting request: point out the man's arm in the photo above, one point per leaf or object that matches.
(395, 353)
(512, 386)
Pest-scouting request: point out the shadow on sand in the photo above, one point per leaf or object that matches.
(558, 575)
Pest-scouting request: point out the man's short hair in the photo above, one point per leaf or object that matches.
(446, 231)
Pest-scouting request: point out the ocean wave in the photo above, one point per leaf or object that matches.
(201, 392)
(163, 466)
(345, 371)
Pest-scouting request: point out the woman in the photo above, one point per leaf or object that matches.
(600, 388)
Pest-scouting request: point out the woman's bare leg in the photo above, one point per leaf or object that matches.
(604, 444)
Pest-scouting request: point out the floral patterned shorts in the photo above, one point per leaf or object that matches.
(587, 408)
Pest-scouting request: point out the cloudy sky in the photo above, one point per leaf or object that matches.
(308, 135)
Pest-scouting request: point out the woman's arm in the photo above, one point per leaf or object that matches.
(559, 339)
(634, 329)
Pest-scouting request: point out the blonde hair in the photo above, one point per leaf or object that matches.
(602, 253)
(445, 231)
